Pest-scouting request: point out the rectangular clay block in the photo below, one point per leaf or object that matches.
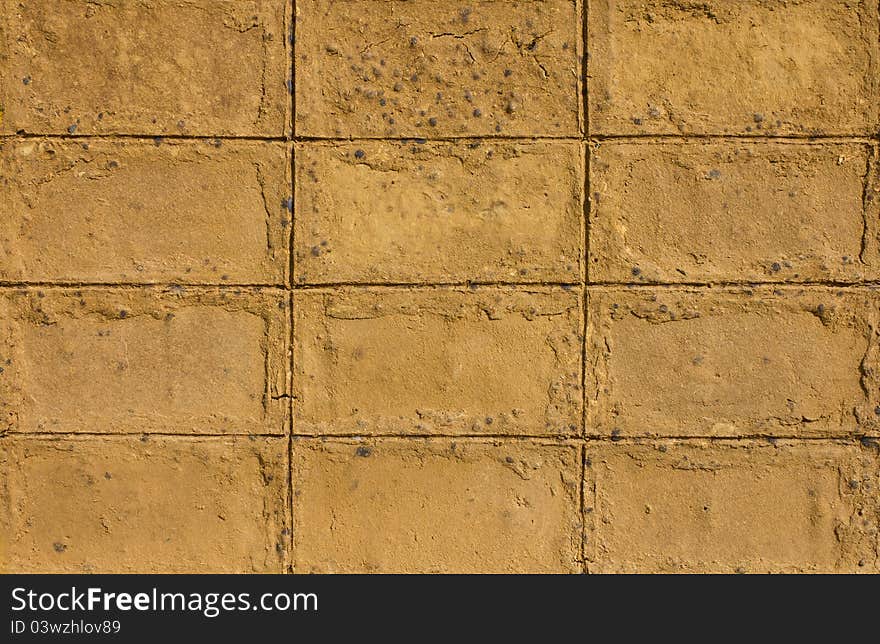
(434, 506)
(726, 507)
(439, 212)
(732, 362)
(200, 67)
(690, 211)
(144, 360)
(163, 505)
(422, 68)
(725, 67)
(144, 211)
(437, 361)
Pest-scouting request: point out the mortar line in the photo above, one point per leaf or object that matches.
(291, 264)
(290, 508)
(17, 284)
(721, 284)
(754, 138)
(291, 41)
(864, 440)
(593, 438)
(524, 138)
(585, 274)
(582, 453)
(111, 136)
(584, 108)
(284, 287)
(590, 286)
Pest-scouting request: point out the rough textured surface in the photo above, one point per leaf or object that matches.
(153, 505)
(439, 212)
(737, 362)
(732, 507)
(534, 285)
(443, 361)
(435, 506)
(144, 211)
(183, 67)
(422, 68)
(723, 67)
(693, 211)
(144, 360)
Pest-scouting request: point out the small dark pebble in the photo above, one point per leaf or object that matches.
(359, 154)
(363, 451)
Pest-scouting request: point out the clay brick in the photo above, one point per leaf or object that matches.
(720, 67)
(724, 507)
(416, 506)
(439, 212)
(421, 68)
(206, 67)
(437, 361)
(733, 362)
(122, 505)
(144, 360)
(139, 211)
(725, 211)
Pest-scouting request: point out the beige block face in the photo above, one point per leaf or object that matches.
(435, 507)
(439, 212)
(726, 211)
(423, 68)
(202, 67)
(144, 360)
(736, 362)
(437, 361)
(723, 67)
(163, 505)
(732, 507)
(143, 211)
